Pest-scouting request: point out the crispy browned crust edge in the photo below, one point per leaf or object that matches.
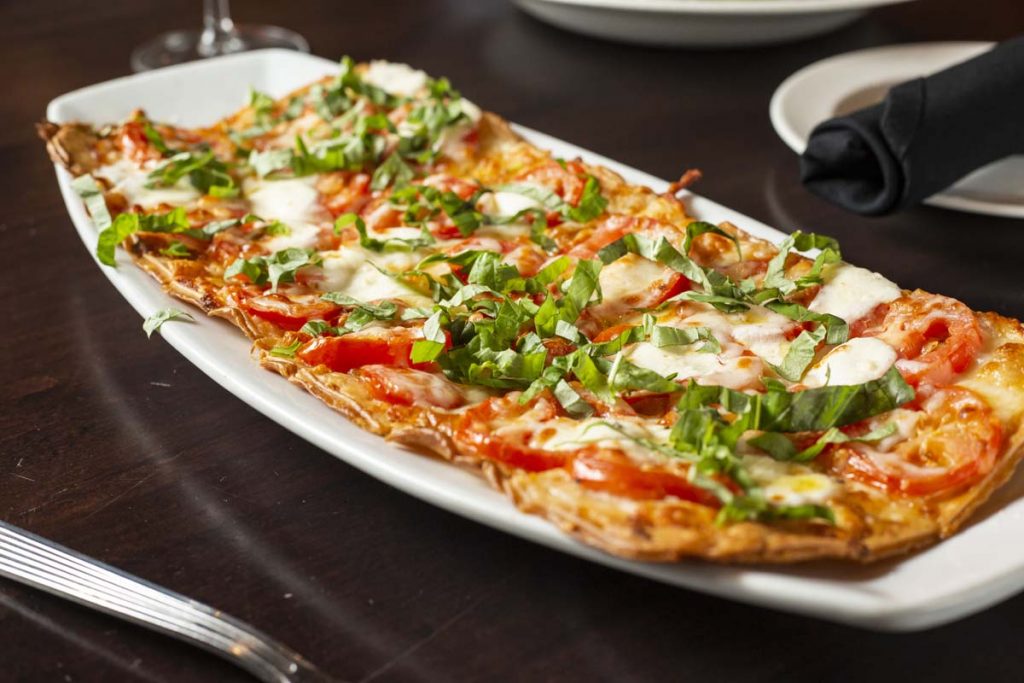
(644, 530)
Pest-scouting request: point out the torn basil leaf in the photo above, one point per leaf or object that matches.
(287, 351)
(92, 195)
(810, 410)
(782, 448)
(383, 310)
(591, 205)
(800, 241)
(317, 328)
(800, 354)
(205, 172)
(382, 245)
(393, 172)
(176, 249)
(572, 402)
(433, 342)
(213, 227)
(662, 336)
(269, 161)
(276, 228)
(277, 268)
(754, 508)
(155, 321)
(155, 139)
(129, 223)
(836, 329)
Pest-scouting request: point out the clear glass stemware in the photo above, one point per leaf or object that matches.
(219, 36)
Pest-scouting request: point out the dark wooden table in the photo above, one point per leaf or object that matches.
(116, 446)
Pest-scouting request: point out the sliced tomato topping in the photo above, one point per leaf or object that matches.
(479, 244)
(609, 333)
(446, 183)
(407, 386)
(289, 313)
(527, 258)
(936, 337)
(567, 179)
(382, 216)
(956, 442)
(616, 226)
(135, 144)
(477, 432)
(675, 283)
(611, 229)
(501, 430)
(344, 191)
(611, 471)
(372, 346)
(869, 325)
(630, 284)
(556, 346)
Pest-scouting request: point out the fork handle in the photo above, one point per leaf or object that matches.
(40, 563)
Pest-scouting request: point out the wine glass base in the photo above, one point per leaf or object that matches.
(177, 47)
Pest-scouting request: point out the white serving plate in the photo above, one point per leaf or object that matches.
(701, 23)
(979, 567)
(847, 82)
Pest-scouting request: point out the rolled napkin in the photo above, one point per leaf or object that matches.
(927, 134)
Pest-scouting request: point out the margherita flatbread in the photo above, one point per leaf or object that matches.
(655, 385)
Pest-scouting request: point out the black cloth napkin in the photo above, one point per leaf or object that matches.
(927, 134)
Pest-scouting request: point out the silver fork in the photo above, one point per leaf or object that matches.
(42, 564)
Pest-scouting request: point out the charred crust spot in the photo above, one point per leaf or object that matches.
(639, 528)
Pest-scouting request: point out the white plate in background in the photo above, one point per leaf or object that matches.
(701, 23)
(975, 569)
(842, 84)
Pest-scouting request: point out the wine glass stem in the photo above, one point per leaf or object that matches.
(219, 36)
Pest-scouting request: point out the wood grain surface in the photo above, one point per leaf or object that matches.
(117, 447)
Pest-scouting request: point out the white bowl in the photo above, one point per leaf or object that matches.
(700, 23)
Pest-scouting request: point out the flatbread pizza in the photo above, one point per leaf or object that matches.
(657, 386)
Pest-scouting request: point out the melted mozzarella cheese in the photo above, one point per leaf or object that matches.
(853, 362)
(788, 483)
(905, 422)
(299, 236)
(508, 232)
(291, 199)
(396, 233)
(568, 435)
(851, 292)
(351, 273)
(763, 332)
(800, 489)
(394, 78)
(395, 261)
(736, 372)
(130, 181)
(625, 281)
(718, 323)
(506, 204)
